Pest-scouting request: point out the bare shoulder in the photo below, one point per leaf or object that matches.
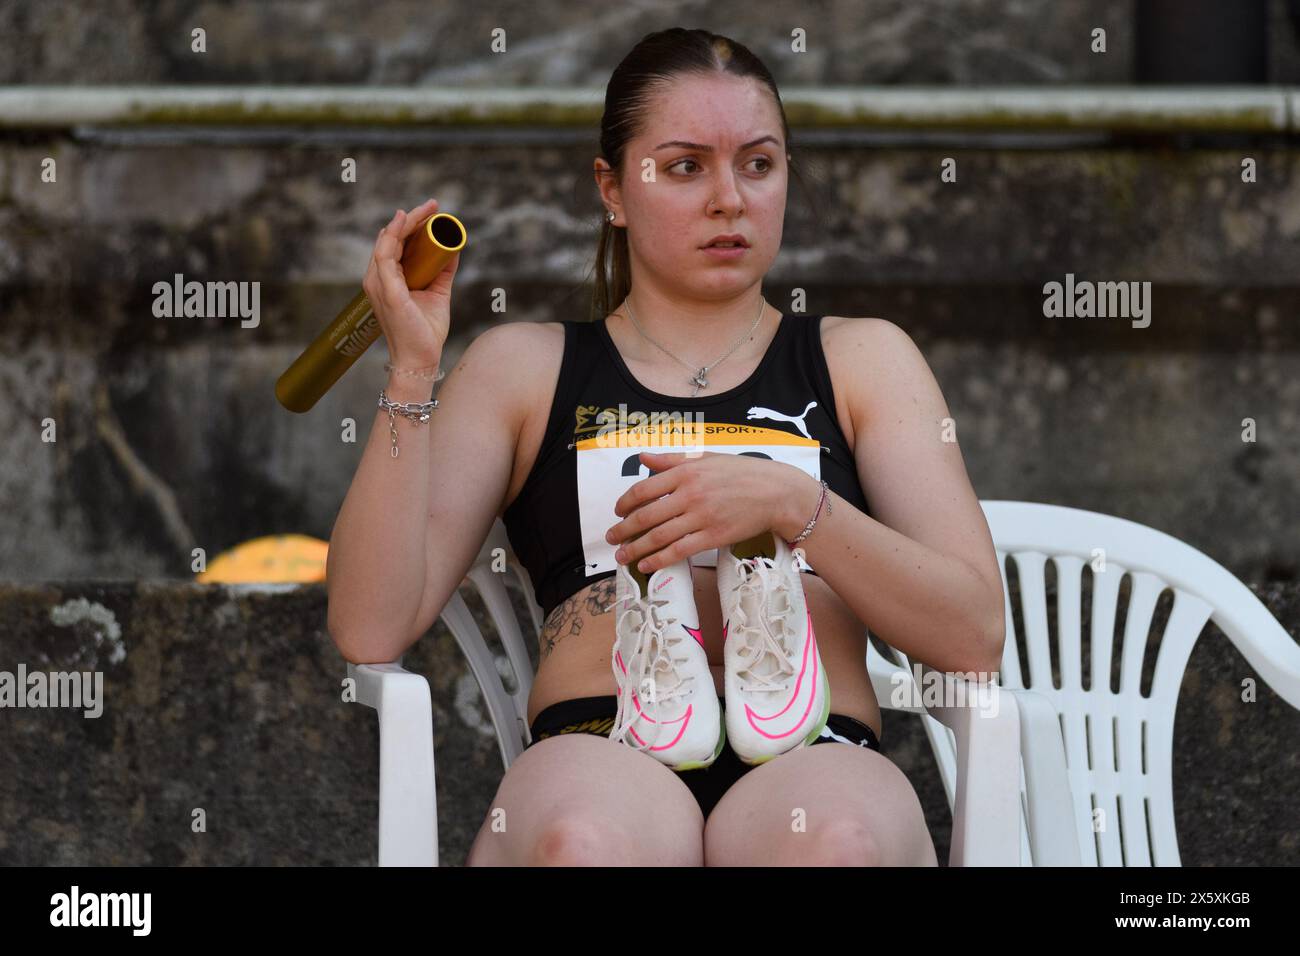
(863, 345)
(846, 330)
(506, 361)
(513, 368)
(513, 342)
(866, 356)
(533, 352)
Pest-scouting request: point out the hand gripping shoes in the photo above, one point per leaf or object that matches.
(667, 701)
(777, 694)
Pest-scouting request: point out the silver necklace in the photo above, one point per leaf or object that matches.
(700, 379)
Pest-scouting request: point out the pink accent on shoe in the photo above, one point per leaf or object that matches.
(808, 649)
(725, 624)
(696, 633)
(636, 700)
(685, 719)
(662, 584)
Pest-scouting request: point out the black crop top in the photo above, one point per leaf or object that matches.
(785, 410)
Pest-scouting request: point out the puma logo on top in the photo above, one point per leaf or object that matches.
(758, 411)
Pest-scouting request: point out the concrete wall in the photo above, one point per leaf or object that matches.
(1141, 422)
(229, 700)
(552, 42)
(1034, 42)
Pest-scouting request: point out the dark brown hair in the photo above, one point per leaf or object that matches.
(652, 63)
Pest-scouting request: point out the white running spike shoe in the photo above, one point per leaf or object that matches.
(667, 700)
(777, 695)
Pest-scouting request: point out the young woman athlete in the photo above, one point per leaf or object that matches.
(694, 146)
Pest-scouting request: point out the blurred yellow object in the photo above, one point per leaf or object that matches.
(273, 558)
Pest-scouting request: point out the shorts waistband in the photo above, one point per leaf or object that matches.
(595, 715)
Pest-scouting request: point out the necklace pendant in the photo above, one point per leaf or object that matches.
(699, 379)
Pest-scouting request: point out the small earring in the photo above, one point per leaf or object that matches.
(610, 215)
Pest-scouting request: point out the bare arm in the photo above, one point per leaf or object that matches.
(920, 571)
(411, 526)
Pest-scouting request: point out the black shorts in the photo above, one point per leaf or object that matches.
(595, 715)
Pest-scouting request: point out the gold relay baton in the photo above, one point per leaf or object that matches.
(425, 253)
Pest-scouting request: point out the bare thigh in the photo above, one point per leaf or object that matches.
(582, 800)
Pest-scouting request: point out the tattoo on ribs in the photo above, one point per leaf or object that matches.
(567, 619)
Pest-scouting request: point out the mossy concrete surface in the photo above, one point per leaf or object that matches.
(225, 704)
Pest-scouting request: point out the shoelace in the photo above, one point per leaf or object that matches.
(650, 636)
(760, 579)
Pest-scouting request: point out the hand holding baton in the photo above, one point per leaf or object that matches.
(425, 253)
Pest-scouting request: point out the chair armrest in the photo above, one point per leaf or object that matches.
(986, 817)
(1053, 822)
(408, 809)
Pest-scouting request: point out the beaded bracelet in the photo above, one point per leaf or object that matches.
(415, 372)
(807, 530)
(800, 559)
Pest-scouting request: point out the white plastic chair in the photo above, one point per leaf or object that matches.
(1118, 744)
(1045, 819)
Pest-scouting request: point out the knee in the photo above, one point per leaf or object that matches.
(574, 841)
(845, 843)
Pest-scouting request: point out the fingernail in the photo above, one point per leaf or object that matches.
(620, 556)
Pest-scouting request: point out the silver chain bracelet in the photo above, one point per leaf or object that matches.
(417, 412)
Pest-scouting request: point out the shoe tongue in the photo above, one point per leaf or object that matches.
(765, 663)
(673, 584)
